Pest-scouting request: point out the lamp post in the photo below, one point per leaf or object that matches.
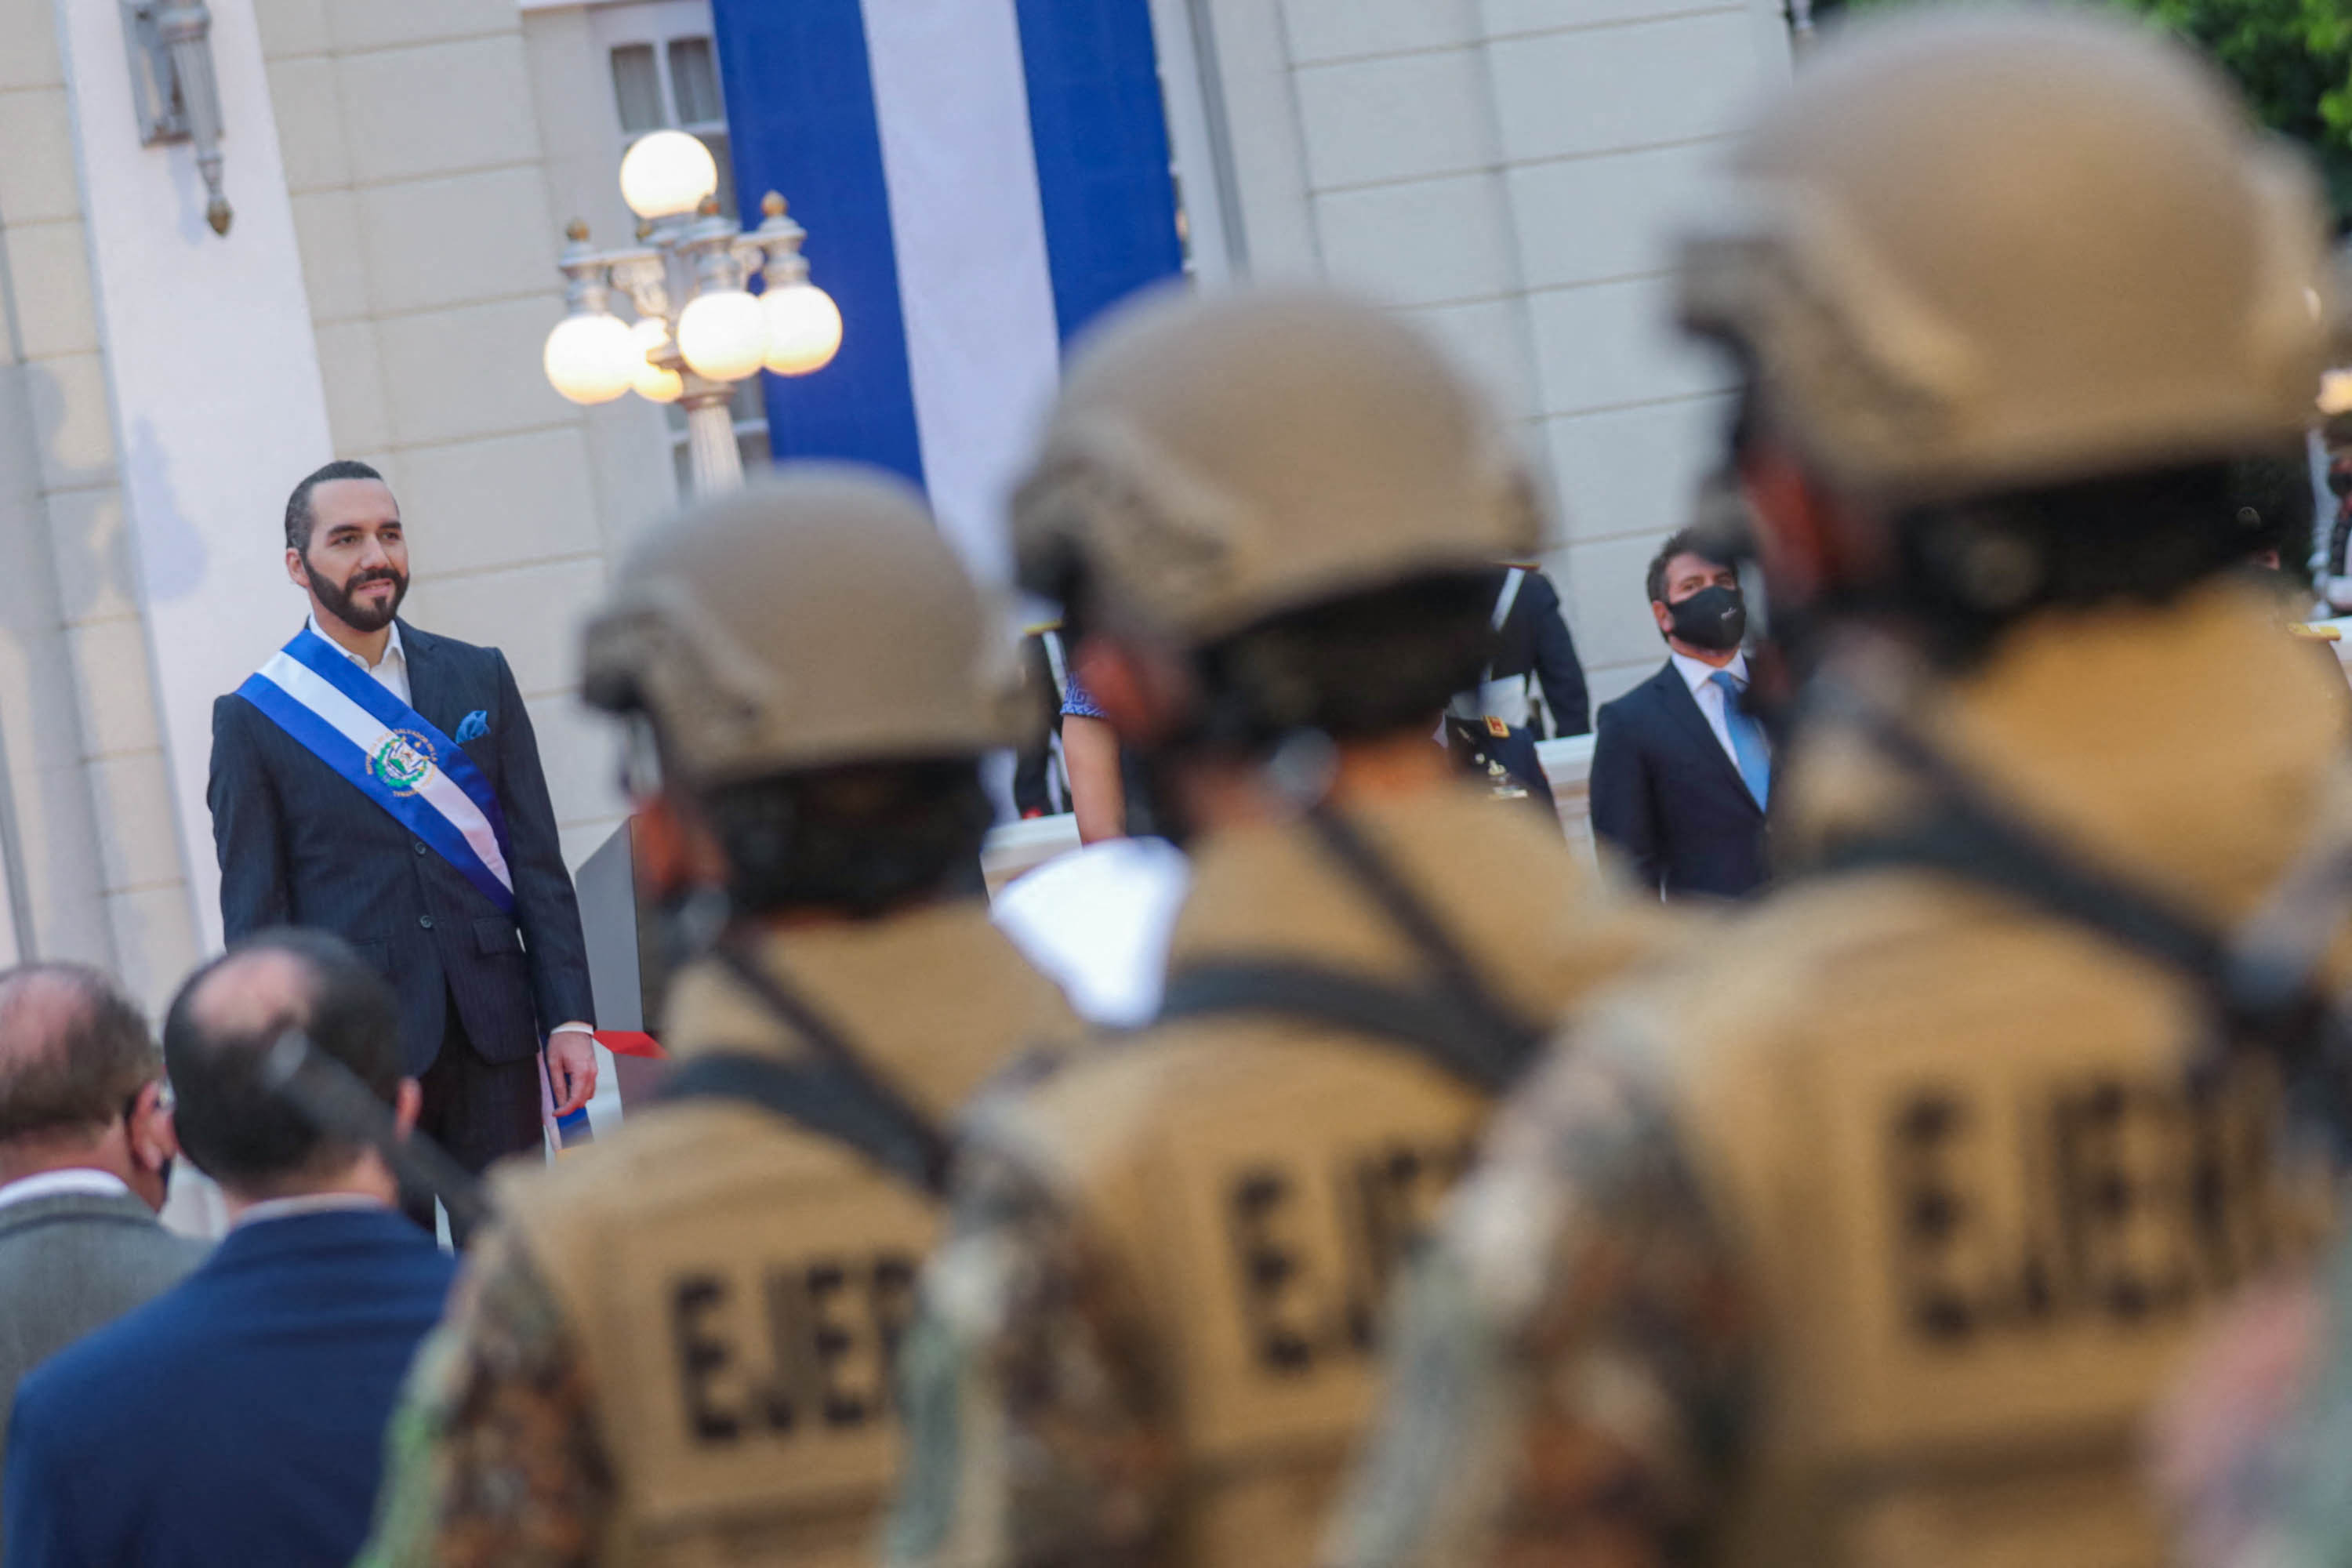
(698, 332)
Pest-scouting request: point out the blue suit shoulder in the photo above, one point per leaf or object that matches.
(1639, 698)
(291, 1339)
(381, 1249)
(437, 645)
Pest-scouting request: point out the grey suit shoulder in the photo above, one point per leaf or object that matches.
(75, 1262)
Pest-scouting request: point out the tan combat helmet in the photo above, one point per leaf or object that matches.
(1977, 250)
(813, 619)
(1212, 462)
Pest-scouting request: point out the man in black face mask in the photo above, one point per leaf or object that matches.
(1682, 772)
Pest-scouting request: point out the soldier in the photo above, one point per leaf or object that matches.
(1868, 1235)
(674, 1347)
(1272, 520)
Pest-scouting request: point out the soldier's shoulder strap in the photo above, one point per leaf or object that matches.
(1455, 1017)
(819, 1097)
(2264, 982)
(831, 1092)
(1431, 1023)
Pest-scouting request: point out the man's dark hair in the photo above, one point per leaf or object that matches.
(72, 1059)
(1692, 541)
(236, 1131)
(859, 839)
(1968, 569)
(1358, 667)
(298, 521)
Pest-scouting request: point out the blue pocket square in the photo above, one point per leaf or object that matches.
(474, 726)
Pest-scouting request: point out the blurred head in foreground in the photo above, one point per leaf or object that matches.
(2011, 290)
(811, 677)
(1268, 514)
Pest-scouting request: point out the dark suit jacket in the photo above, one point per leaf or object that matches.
(238, 1418)
(1667, 795)
(73, 1262)
(1534, 641)
(299, 846)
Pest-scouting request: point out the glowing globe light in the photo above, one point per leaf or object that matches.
(589, 358)
(723, 334)
(666, 174)
(803, 328)
(653, 384)
(2336, 393)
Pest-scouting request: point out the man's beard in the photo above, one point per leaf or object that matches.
(340, 599)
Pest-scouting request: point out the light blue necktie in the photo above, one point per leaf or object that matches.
(1746, 739)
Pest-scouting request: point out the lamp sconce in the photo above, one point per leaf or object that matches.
(173, 88)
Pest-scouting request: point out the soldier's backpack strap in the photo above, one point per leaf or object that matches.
(1423, 1021)
(832, 1093)
(2264, 984)
(1455, 1019)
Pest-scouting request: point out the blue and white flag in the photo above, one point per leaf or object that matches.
(979, 179)
(390, 753)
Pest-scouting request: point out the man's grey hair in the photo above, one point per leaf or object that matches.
(74, 1051)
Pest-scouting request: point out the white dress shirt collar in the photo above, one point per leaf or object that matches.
(1697, 673)
(391, 671)
(58, 1184)
(306, 1203)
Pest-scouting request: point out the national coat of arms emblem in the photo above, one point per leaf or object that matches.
(400, 761)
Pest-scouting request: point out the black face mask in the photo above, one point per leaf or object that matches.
(1713, 619)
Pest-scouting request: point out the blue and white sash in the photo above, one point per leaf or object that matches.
(390, 753)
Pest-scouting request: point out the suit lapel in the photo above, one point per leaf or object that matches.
(426, 677)
(436, 689)
(1699, 732)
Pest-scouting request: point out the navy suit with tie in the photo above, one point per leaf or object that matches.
(1669, 798)
(236, 1420)
(300, 844)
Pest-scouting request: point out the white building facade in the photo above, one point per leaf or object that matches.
(1506, 173)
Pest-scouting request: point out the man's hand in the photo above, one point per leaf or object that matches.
(570, 1068)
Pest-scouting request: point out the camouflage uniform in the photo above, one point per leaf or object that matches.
(1149, 1337)
(1758, 1261)
(676, 1346)
(1101, 1374)
(1872, 1233)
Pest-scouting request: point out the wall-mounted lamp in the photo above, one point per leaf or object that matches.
(172, 88)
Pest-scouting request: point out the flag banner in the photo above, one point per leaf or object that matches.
(979, 180)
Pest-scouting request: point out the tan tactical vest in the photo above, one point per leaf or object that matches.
(1985, 1204)
(738, 1285)
(1260, 1179)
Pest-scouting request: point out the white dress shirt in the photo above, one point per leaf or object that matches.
(1700, 676)
(57, 1184)
(391, 671)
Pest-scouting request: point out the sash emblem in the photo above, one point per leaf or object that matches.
(400, 761)
(389, 752)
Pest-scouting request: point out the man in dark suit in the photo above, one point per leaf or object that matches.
(482, 980)
(1682, 774)
(85, 1151)
(238, 1418)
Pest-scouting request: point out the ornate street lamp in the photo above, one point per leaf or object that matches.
(698, 330)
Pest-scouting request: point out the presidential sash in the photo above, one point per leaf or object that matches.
(390, 753)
